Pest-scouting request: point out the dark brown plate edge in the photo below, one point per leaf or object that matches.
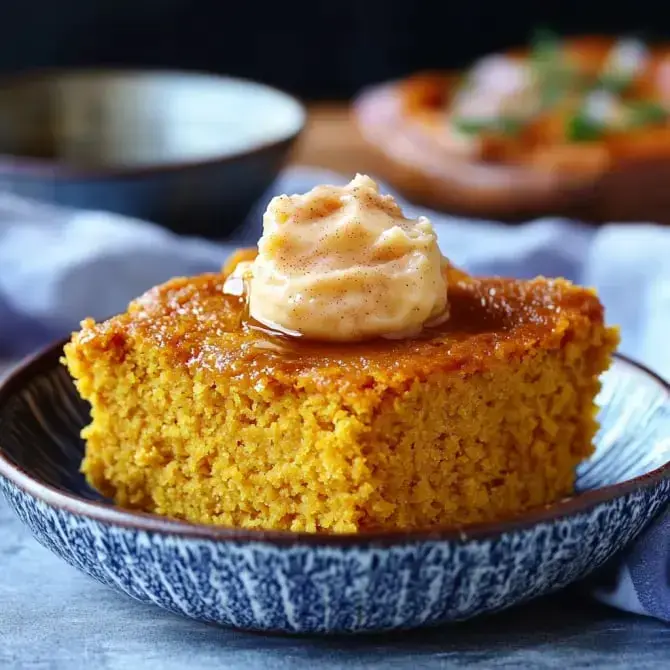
(46, 359)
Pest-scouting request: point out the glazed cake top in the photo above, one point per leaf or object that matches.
(493, 320)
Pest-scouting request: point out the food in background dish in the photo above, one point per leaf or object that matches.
(422, 397)
(579, 126)
(543, 104)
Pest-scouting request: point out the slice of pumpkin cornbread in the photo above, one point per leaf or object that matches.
(198, 415)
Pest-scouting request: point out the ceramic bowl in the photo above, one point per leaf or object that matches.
(190, 151)
(302, 583)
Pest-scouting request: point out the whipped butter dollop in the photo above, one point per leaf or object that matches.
(345, 264)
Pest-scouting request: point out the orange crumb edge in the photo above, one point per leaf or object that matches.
(196, 417)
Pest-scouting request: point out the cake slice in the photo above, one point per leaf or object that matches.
(198, 415)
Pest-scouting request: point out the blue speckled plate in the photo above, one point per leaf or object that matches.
(302, 583)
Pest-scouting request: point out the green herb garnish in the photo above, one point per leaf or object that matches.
(471, 126)
(613, 82)
(582, 128)
(508, 126)
(646, 113)
(555, 76)
(545, 47)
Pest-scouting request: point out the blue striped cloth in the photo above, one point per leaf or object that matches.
(57, 267)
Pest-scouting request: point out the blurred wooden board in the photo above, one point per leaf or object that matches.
(332, 141)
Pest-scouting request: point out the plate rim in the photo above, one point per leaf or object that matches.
(48, 358)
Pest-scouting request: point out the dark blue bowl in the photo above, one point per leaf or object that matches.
(303, 583)
(190, 151)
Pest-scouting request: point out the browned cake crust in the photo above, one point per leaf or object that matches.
(200, 414)
(197, 325)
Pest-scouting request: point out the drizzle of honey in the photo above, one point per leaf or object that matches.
(203, 326)
(463, 322)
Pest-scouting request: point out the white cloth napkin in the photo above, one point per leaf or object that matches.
(59, 266)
